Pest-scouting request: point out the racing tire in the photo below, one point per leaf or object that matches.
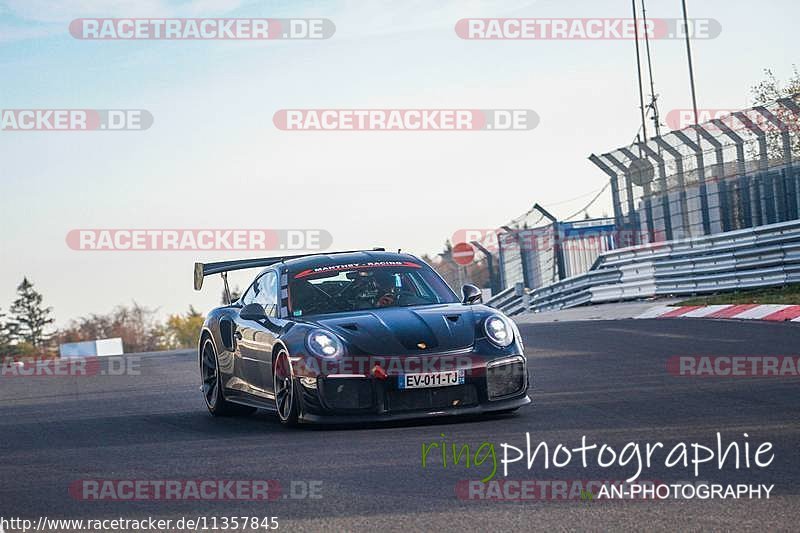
(287, 401)
(212, 385)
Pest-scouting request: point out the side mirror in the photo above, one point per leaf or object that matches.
(253, 312)
(470, 294)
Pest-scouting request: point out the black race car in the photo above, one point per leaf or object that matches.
(356, 336)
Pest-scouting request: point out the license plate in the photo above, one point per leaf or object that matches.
(431, 379)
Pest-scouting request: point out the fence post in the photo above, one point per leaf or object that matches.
(519, 288)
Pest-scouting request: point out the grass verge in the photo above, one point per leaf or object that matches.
(788, 294)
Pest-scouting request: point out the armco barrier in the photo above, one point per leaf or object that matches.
(756, 257)
(512, 301)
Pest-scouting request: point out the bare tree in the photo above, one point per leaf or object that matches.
(135, 325)
(768, 91)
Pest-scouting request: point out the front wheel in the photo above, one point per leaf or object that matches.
(212, 385)
(286, 401)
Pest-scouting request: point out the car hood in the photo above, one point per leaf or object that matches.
(404, 330)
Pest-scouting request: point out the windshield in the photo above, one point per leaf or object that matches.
(359, 286)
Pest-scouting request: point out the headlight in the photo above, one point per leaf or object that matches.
(324, 343)
(499, 330)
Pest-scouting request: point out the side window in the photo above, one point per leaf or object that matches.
(266, 293)
(250, 294)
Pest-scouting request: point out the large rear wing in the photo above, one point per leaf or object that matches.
(201, 270)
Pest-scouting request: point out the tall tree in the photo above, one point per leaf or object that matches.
(770, 88)
(7, 335)
(182, 331)
(30, 316)
(767, 91)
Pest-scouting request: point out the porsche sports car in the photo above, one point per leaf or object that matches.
(356, 336)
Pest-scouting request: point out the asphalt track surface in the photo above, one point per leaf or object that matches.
(606, 380)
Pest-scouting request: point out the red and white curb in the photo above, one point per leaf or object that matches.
(771, 312)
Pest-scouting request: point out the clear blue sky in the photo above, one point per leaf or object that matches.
(214, 159)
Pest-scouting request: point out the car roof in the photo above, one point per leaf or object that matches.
(323, 259)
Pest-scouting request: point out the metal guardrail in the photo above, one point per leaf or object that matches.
(756, 257)
(512, 301)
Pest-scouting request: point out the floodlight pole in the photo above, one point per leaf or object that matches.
(689, 56)
(639, 69)
(653, 98)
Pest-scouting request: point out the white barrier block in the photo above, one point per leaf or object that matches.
(109, 347)
(100, 347)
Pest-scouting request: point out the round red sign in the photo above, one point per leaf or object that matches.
(463, 254)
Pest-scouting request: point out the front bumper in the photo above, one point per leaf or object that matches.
(479, 409)
(491, 385)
